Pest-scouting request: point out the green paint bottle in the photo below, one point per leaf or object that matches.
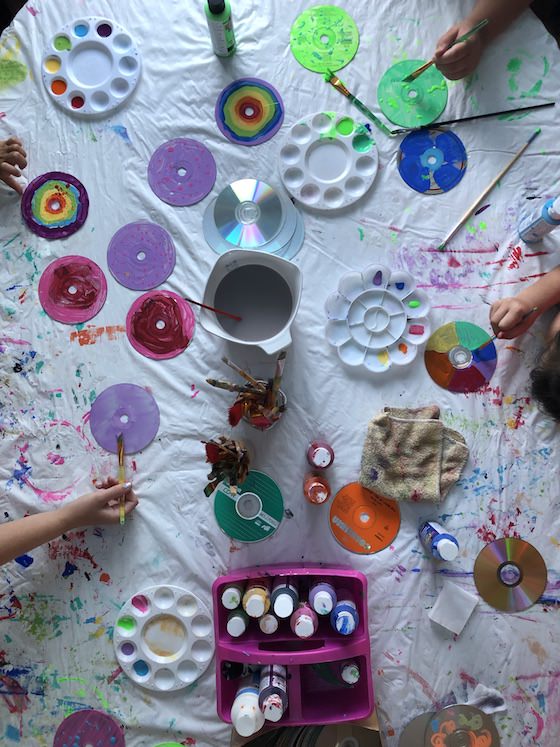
(220, 25)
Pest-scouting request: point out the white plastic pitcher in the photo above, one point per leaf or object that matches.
(263, 289)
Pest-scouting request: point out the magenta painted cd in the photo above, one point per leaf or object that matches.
(141, 255)
(160, 324)
(72, 289)
(182, 171)
(128, 409)
(89, 727)
(55, 205)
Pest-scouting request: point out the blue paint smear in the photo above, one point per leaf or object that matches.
(12, 733)
(69, 569)
(121, 131)
(24, 560)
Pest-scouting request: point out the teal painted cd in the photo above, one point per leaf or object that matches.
(413, 104)
(254, 512)
(324, 38)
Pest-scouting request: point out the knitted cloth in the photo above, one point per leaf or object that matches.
(409, 455)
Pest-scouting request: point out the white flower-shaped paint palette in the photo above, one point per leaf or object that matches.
(377, 318)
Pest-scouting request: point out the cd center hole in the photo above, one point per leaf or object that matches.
(124, 419)
(412, 94)
(141, 256)
(364, 518)
(324, 39)
(181, 171)
(432, 160)
(249, 111)
(72, 290)
(510, 574)
(160, 324)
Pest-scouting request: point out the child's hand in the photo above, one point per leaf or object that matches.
(100, 506)
(462, 59)
(12, 158)
(509, 319)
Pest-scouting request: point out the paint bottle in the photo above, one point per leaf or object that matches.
(304, 622)
(256, 600)
(246, 716)
(237, 623)
(350, 672)
(536, 225)
(344, 617)
(316, 489)
(231, 596)
(437, 542)
(273, 692)
(320, 454)
(285, 596)
(322, 597)
(220, 25)
(268, 624)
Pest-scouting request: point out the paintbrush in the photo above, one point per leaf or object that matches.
(234, 387)
(335, 81)
(121, 475)
(488, 189)
(243, 374)
(525, 316)
(216, 311)
(415, 73)
(278, 372)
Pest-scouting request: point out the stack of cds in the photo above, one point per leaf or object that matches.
(250, 214)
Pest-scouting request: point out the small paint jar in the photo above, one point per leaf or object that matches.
(316, 489)
(350, 672)
(284, 597)
(304, 622)
(237, 623)
(231, 596)
(344, 617)
(256, 600)
(320, 454)
(268, 624)
(322, 597)
(262, 422)
(273, 692)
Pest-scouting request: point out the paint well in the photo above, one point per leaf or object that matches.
(141, 603)
(414, 304)
(58, 87)
(141, 668)
(62, 43)
(165, 636)
(127, 623)
(77, 102)
(81, 29)
(362, 143)
(52, 64)
(104, 30)
(345, 126)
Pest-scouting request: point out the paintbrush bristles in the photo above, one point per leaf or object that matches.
(242, 373)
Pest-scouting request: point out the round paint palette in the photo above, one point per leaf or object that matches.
(72, 289)
(55, 205)
(253, 512)
(164, 638)
(377, 318)
(249, 111)
(324, 38)
(141, 255)
(89, 727)
(160, 324)
(432, 161)
(460, 357)
(413, 104)
(182, 172)
(128, 409)
(91, 66)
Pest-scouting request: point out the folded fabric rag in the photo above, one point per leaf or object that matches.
(410, 455)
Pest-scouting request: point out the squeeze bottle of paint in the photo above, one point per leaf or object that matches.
(437, 542)
(231, 596)
(538, 224)
(322, 597)
(344, 617)
(256, 600)
(320, 454)
(316, 489)
(304, 622)
(273, 694)
(285, 596)
(220, 25)
(350, 672)
(237, 623)
(246, 716)
(268, 624)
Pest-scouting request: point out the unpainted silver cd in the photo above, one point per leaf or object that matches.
(414, 732)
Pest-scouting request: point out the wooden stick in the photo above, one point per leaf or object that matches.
(488, 189)
(216, 311)
(243, 374)
(243, 388)
(121, 475)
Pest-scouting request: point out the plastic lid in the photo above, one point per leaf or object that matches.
(304, 627)
(255, 606)
(247, 718)
(322, 602)
(345, 622)
(268, 624)
(231, 598)
(283, 605)
(236, 626)
(272, 708)
(216, 6)
(350, 673)
(447, 549)
(321, 457)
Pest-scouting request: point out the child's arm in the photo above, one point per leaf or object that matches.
(98, 507)
(506, 315)
(12, 158)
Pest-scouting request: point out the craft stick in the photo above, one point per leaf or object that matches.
(335, 81)
(121, 475)
(243, 374)
(488, 189)
(216, 311)
(242, 388)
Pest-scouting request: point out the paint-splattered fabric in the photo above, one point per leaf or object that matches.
(58, 604)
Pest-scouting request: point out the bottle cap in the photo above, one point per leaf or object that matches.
(268, 624)
(283, 605)
(350, 673)
(447, 549)
(231, 598)
(255, 605)
(304, 627)
(345, 622)
(236, 626)
(323, 603)
(272, 708)
(321, 457)
(246, 717)
(216, 6)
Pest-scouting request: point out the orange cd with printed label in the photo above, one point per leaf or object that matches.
(363, 521)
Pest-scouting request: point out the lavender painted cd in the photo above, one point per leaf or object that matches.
(128, 409)
(89, 727)
(182, 171)
(141, 255)
(72, 289)
(55, 205)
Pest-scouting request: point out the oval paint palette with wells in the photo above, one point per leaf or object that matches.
(164, 638)
(91, 66)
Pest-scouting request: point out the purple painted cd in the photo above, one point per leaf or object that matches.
(182, 171)
(128, 409)
(89, 727)
(55, 205)
(141, 255)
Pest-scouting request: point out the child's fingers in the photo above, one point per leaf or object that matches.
(444, 41)
(114, 493)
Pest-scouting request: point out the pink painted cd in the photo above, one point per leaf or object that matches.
(141, 255)
(55, 205)
(160, 324)
(72, 289)
(128, 409)
(182, 171)
(89, 727)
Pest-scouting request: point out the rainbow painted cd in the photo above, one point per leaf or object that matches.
(249, 111)
(460, 357)
(510, 574)
(413, 104)
(432, 161)
(55, 205)
(324, 38)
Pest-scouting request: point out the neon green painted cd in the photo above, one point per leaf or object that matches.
(324, 38)
(413, 104)
(254, 512)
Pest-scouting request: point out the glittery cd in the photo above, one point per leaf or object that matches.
(510, 574)
(460, 357)
(460, 725)
(324, 38)
(141, 255)
(160, 324)
(363, 521)
(89, 727)
(55, 205)
(182, 172)
(72, 289)
(128, 409)
(413, 104)
(432, 161)
(249, 111)
(254, 512)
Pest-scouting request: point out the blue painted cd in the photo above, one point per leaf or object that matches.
(432, 161)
